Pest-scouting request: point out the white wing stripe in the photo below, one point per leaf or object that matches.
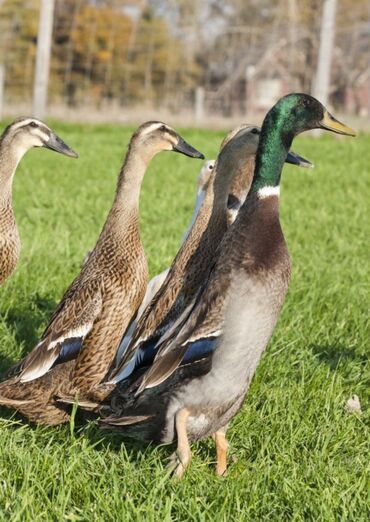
(81, 331)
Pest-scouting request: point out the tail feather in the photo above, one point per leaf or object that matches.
(5, 401)
(84, 404)
(125, 421)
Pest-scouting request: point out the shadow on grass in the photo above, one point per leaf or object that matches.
(335, 354)
(137, 451)
(99, 438)
(8, 414)
(26, 318)
(5, 363)
(108, 437)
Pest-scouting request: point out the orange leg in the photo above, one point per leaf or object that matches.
(182, 457)
(222, 447)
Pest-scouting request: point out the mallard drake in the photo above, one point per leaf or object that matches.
(250, 279)
(98, 306)
(191, 265)
(19, 137)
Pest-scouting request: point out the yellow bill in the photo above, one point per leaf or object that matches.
(332, 124)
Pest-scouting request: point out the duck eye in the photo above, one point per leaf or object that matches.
(255, 131)
(163, 128)
(33, 124)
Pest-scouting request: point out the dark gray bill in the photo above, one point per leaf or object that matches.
(57, 144)
(295, 159)
(187, 149)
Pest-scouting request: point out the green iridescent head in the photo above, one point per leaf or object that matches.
(296, 113)
(291, 115)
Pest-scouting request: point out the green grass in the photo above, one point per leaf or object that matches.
(296, 454)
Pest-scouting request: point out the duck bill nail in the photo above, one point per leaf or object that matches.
(188, 150)
(58, 145)
(299, 161)
(332, 124)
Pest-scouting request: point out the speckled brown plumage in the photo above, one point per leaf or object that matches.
(16, 140)
(102, 300)
(36, 398)
(10, 244)
(114, 276)
(123, 292)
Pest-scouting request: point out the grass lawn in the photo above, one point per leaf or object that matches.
(296, 454)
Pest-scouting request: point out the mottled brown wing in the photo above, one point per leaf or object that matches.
(100, 345)
(77, 313)
(81, 284)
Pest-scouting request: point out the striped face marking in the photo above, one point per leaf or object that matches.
(268, 191)
(155, 136)
(161, 131)
(34, 127)
(27, 133)
(148, 128)
(24, 122)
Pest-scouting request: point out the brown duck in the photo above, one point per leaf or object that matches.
(98, 306)
(191, 265)
(20, 136)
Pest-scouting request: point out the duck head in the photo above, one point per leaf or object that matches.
(156, 136)
(299, 112)
(242, 143)
(291, 115)
(205, 175)
(25, 133)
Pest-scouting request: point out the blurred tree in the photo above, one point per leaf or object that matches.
(18, 21)
(159, 63)
(101, 51)
(156, 52)
(88, 39)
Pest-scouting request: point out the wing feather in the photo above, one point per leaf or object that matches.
(204, 321)
(75, 320)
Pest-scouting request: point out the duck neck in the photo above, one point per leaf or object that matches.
(125, 206)
(197, 228)
(10, 156)
(130, 179)
(272, 151)
(221, 187)
(219, 192)
(215, 203)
